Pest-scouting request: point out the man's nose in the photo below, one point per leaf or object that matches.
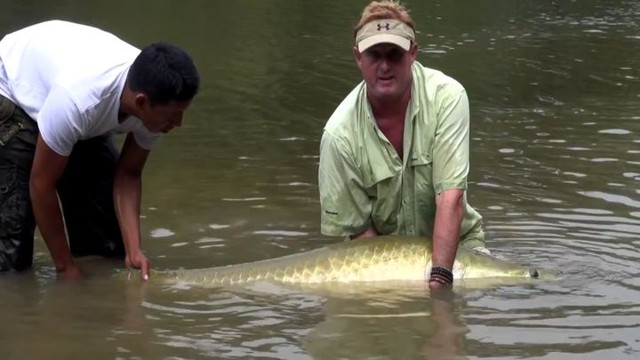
(384, 63)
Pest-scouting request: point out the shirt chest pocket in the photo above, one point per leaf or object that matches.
(382, 182)
(381, 185)
(421, 165)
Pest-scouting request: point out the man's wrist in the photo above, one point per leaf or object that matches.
(441, 275)
(133, 251)
(63, 265)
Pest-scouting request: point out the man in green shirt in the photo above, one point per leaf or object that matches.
(394, 156)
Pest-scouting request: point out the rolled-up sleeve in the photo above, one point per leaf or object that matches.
(345, 205)
(451, 144)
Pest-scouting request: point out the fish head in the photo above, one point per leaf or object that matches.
(471, 264)
(532, 273)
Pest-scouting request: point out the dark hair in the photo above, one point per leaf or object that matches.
(164, 72)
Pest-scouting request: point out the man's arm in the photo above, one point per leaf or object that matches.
(450, 170)
(46, 170)
(446, 232)
(127, 192)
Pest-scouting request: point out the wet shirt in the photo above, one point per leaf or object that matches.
(69, 78)
(364, 183)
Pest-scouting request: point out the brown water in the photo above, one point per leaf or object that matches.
(554, 89)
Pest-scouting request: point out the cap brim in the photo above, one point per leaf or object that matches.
(400, 41)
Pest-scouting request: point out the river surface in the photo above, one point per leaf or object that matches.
(555, 92)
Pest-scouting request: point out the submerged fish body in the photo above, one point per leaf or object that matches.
(382, 258)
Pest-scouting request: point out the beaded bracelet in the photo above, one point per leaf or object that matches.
(442, 272)
(439, 280)
(441, 275)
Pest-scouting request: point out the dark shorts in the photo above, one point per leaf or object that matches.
(85, 191)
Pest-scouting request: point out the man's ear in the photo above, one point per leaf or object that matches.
(414, 51)
(357, 56)
(141, 99)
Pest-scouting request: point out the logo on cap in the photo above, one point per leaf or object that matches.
(385, 26)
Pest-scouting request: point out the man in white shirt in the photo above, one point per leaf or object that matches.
(65, 88)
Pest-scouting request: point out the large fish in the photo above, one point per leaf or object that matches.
(382, 258)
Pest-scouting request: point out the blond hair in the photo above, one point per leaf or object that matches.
(386, 9)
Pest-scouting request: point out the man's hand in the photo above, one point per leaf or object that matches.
(70, 272)
(138, 261)
(371, 232)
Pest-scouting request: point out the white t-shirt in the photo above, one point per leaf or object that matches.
(69, 78)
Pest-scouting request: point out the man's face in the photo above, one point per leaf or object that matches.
(162, 118)
(386, 69)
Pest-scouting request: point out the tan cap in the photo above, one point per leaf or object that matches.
(385, 31)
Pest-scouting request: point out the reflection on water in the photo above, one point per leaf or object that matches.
(554, 88)
(428, 328)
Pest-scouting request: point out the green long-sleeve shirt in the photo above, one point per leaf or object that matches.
(364, 183)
